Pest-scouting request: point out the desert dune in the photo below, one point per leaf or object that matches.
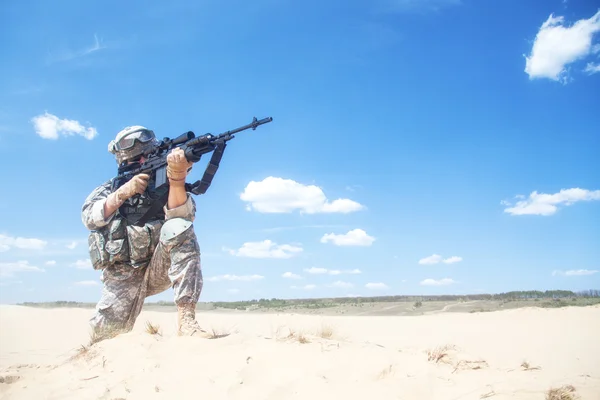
(513, 354)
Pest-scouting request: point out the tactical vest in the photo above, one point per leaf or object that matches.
(122, 243)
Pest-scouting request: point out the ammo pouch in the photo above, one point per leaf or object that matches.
(142, 241)
(122, 243)
(109, 245)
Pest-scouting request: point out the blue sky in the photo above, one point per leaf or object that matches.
(417, 147)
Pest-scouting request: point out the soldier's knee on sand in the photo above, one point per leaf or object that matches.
(175, 230)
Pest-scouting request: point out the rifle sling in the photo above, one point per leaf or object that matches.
(197, 188)
(201, 186)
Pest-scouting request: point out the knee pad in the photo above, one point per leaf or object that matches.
(173, 228)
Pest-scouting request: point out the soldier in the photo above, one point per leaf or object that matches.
(137, 262)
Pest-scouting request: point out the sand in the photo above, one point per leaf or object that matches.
(327, 357)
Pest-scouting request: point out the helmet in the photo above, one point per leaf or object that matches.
(131, 142)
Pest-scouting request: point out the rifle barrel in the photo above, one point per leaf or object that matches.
(205, 139)
(252, 125)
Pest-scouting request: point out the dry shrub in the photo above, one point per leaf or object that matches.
(297, 336)
(488, 394)
(153, 329)
(466, 365)
(527, 367)
(566, 392)
(325, 332)
(439, 353)
(218, 333)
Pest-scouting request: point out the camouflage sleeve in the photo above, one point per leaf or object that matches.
(187, 210)
(92, 212)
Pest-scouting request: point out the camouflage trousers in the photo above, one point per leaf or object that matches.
(174, 263)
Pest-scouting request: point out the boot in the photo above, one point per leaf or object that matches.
(186, 321)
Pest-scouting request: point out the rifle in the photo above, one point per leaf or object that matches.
(155, 165)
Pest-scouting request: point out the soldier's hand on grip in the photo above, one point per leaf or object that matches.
(137, 184)
(177, 165)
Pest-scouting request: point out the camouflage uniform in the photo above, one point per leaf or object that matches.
(138, 262)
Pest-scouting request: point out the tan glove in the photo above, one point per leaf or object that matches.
(137, 184)
(177, 165)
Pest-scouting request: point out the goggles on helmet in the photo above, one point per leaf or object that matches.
(128, 141)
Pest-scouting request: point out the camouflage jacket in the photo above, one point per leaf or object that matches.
(112, 240)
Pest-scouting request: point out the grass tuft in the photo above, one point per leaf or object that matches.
(439, 353)
(153, 329)
(217, 334)
(566, 392)
(325, 332)
(527, 367)
(298, 336)
(470, 365)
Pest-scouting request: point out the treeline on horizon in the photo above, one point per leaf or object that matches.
(332, 301)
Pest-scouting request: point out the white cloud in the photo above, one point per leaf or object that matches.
(547, 204)
(315, 270)
(439, 282)
(433, 259)
(8, 242)
(82, 264)
(436, 259)
(9, 269)
(592, 68)
(278, 195)
(51, 262)
(87, 283)
(557, 46)
(376, 286)
(355, 237)
(341, 284)
(49, 126)
(452, 260)
(228, 277)
(291, 275)
(305, 287)
(575, 272)
(266, 249)
(71, 245)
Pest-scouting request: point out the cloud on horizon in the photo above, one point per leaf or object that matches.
(575, 272)
(317, 271)
(238, 278)
(438, 282)
(9, 269)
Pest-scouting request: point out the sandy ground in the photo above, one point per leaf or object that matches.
(327, 357)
